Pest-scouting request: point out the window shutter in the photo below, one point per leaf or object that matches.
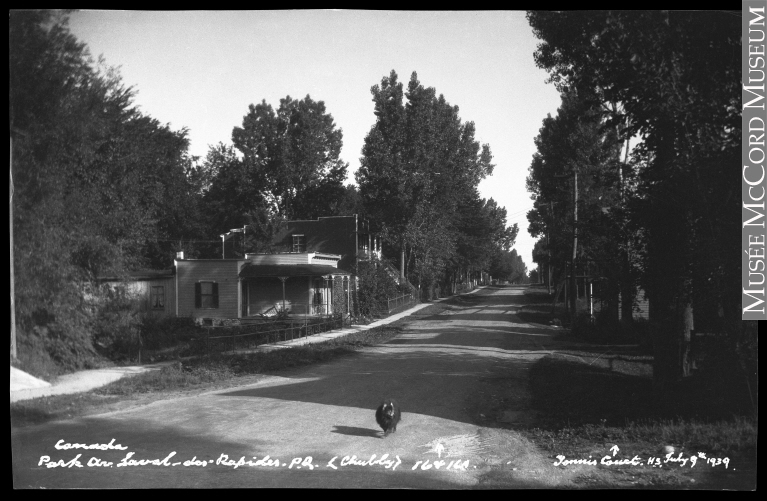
(198, 295)
(215, 294)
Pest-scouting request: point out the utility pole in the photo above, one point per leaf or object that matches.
(10, 206)
(573, 280)
(548, 249)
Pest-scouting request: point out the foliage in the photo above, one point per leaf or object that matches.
(672, 78)
(98, 186)
(575, 141)
(508, 265)
(118, 323)
(418, 179)
(376, 286)
(160, 331)
(292, 155)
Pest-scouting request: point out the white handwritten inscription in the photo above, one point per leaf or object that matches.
(61, 445)
(655, 462)
(297, 463)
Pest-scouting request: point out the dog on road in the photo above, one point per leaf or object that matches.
(387, 416)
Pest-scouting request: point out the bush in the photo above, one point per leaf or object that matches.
(118, 323)
(376, 286)
(159, 332)
(33, 357)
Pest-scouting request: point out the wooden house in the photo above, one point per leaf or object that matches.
(154, 289)
(300, 284)
(310, 272)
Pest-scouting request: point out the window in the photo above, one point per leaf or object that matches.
(157, 297)
(206, 295)
(299, 243)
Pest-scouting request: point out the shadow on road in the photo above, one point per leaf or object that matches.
(437, 366)
(356, 431)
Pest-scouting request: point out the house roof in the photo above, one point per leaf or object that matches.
(250, 270)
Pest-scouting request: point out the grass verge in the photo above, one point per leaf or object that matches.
(582, 411)
(196, 374)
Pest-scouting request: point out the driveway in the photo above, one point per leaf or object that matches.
(460, 376)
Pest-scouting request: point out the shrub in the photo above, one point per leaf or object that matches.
(376, 286)
(118, 323)
(161, 332)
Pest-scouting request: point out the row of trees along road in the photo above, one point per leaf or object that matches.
(663, 217)
(418, 180)
(101, 188)
(98, 186)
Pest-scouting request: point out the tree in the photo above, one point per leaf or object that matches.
(234, 191)
(508, 265)
(676, 76)
(99, 187)
(292, 157)
(575, 146)
(419, 158)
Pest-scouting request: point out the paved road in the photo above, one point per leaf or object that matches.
(460, 376)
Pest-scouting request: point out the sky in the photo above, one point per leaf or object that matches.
(201, 70)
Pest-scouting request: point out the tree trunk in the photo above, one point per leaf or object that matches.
(671, 302)
(627, 289)
(669, 265)
(402, 262)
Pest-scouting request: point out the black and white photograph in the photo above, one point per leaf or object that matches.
(386, 249)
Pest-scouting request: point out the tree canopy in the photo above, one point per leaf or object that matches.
(672, 80)
(291, 157)
(99, 187)
(418, 179)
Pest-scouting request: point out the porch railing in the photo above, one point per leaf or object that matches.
(294, 309)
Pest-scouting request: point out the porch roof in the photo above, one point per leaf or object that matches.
(250, 270)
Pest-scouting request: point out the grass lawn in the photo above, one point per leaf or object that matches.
(582, 411)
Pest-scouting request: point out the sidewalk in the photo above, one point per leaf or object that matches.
(25, 387)
(326, 336)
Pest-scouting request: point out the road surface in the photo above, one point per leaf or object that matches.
(460, 376)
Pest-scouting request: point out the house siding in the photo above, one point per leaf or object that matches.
(642, 309)
(329, 235)
(141, 289)
(222, 271)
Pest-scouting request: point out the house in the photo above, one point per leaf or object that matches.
(347, 236)
(300, 283)
(310, 273)
(155, 289)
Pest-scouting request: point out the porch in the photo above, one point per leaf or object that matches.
(293, 291)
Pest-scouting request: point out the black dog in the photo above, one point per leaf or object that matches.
(387, 416)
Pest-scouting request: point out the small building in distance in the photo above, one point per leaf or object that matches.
(154, 289)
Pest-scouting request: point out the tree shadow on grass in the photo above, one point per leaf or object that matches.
(572, 393)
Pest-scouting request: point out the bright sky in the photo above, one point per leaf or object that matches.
(201, 70)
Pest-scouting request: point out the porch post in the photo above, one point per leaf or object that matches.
(283, 291)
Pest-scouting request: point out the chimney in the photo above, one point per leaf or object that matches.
(180, 255)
